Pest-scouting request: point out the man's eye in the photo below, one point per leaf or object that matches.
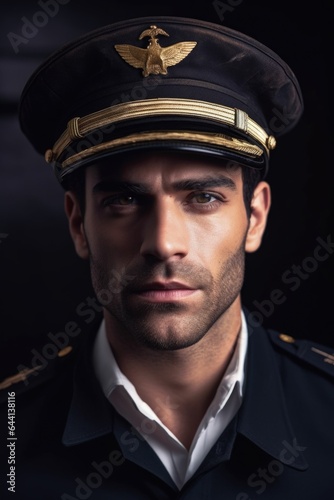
(203, 198)
(119, 199)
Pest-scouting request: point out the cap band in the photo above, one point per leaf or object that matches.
(203, 138)
(235, 118)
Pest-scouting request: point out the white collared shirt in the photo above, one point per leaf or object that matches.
(179, 462)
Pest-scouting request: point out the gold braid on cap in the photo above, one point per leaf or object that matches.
(235, 118)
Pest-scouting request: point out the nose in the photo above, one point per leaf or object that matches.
(165, 233)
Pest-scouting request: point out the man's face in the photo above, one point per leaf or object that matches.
(165, 235)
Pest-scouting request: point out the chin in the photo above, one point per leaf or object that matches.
(164, 336)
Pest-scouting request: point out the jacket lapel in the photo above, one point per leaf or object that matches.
(263, 416)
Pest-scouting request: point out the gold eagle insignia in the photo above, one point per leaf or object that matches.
(154, 59)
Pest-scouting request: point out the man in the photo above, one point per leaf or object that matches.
(162, 146)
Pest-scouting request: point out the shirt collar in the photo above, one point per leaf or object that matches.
(234, 375)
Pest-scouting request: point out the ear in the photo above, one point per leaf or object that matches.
(260, 206)
(76, 224)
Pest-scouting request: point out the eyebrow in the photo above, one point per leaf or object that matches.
(182, 185)
(205, 183)
(108, 185)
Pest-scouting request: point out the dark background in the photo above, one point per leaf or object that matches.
(42, 279)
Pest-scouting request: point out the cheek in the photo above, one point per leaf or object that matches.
(218, 237)
(111, 240)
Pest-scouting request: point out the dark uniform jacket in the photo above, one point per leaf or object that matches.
(69, 443)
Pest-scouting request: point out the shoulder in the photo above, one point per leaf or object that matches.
(46, 363)
(36, 371)
(303, 354)
(291, 350)
(41, 367)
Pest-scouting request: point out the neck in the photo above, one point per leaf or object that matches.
(184, 381)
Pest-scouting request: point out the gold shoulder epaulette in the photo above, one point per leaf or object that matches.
(25, 372)
(317, 355)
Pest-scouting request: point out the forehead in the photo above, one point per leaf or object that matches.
(164, 167)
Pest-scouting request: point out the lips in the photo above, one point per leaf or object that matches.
(159, 285)
(159, 291)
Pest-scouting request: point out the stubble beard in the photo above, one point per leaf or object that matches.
(169, 326)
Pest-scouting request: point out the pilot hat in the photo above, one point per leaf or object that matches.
(159, 83)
